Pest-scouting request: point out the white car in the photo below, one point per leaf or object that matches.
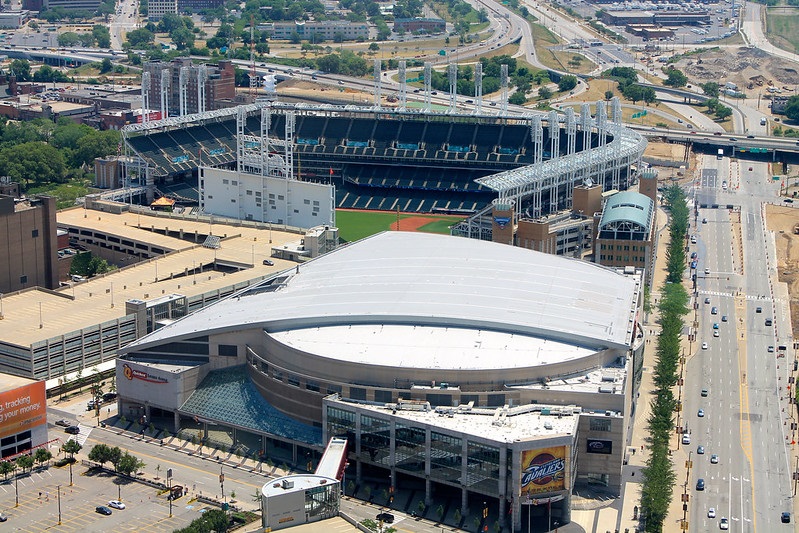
(711, 513)
(704, 346)
(724, 524)
(116, 504)
(716, 333)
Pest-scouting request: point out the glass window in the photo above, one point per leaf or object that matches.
(600, 424)
(445, 457)
(375, 439)
(409, 451)
(482, 467)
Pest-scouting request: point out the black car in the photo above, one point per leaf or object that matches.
(785, 518)
(102, 509)
(108, 396)
(386, 518)
(72, 430)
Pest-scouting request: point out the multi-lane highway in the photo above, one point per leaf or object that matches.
(742, 422)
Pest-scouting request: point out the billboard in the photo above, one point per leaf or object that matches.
(600, 446)
(543, 470)
(22, 408)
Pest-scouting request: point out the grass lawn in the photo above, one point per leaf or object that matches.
(783, 27)
(355, 225)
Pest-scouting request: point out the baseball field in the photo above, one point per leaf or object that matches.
(356, 224)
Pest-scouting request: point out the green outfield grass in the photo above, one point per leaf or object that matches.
(355, 225)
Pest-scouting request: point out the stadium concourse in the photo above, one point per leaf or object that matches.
(462, 369)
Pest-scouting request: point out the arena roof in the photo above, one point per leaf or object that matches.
(432, 280)
(628, 206)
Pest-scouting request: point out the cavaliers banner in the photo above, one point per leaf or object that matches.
(543, 470)
(22, 408)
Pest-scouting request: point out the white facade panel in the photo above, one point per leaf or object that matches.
(266, 199)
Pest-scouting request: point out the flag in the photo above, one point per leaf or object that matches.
(331, 171)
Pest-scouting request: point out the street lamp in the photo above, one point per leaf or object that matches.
(270, 232)
(59, 504)
(16, 490)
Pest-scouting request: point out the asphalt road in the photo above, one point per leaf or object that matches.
(742, 422)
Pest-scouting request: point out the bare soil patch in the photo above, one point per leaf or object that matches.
(782, 220)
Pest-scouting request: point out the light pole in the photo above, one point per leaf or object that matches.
(16, 490)
(59, 504)
(270, 232)
(169, 487)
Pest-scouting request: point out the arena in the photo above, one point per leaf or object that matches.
(473, 371)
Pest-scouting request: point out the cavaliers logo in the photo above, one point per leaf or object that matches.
(127, 372)
(543, 469)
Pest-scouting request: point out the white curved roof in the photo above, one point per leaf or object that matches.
(425, 279)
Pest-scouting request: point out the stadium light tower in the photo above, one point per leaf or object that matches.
(452, 74)
(145, 97)
(403, 92)
(427, 79)
(478, 87)
(166, 82)
(378, 83)
(503, 78)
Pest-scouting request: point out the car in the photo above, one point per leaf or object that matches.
(116, 504)
(704, 346)
(733, 139)
(715, 325)
(724, 524)
(707, 271)
(704, 393)
(711, 513)
(387, 518)
(704, 221)
(102, 509)
(693, 255)
(3, 517)
(750, 136)
(340, 82)
(707, 300)
(108, 396)
(693, 264)
(72, 430)
(700, 413)
(714, 459)
(700, 450)
(63, 423)
(750, 169)
(759, 310)
(714, 310)
(693, 239)
(771, 349)
(716, 333)
(723, 318)
(700, 484)
(717, 133)
(434, 93)
(785, 517)
(267, 262)
(686, 438)
(768, 322)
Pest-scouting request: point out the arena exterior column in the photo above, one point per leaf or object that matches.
(176, 422)
(464, 502)
(428, 491)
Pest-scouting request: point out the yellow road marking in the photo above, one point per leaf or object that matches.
(744, 426)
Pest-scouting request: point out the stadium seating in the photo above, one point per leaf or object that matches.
(419, 164)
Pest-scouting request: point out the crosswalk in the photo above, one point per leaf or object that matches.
(750, 297)
(83, 436)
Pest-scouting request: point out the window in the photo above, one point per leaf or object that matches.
(234, 182)
(232, 200)
(228, 350)
(383, 396)
(225, 182)
(600, 424)
(23, 279)
(307, 202)
(34, 233)
(249, 193)
(293, 380)
(357, 393)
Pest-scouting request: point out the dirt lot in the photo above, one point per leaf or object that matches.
(782, 220)
(741, 66)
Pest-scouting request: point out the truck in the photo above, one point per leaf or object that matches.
(720, 153)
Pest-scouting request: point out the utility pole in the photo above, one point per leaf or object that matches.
(169, 487)
(59, 504)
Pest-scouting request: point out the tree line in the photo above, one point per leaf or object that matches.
(659, 475)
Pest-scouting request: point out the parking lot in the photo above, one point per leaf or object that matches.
(39, 506)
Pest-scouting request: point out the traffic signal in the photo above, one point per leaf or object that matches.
(485, 512)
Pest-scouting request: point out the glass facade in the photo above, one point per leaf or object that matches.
(410, 454)
(341, 423)
(322, 502)
(445, 457)
(482, 468)
(376, 440)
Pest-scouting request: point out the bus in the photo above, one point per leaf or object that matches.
(595, 43)
(720, 153)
